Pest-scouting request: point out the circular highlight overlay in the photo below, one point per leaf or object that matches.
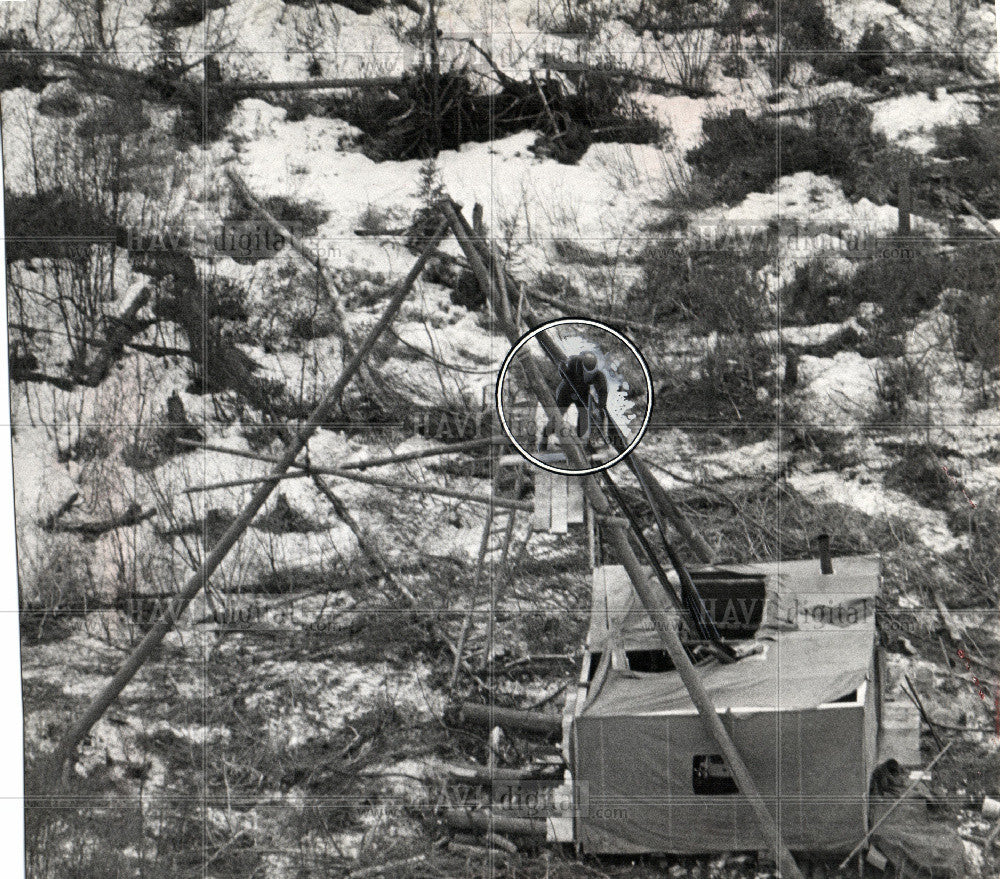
(601, 385)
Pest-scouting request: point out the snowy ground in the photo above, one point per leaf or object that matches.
(293, 674)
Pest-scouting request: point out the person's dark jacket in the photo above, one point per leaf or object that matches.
(575, 386)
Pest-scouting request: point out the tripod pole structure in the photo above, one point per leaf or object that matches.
(321, 414)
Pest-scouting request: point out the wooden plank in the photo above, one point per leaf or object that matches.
(559, 499)
(598, 610)
(543, 500)
(574, 509)
(900, 734)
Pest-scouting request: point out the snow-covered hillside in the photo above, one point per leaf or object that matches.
(802, 242)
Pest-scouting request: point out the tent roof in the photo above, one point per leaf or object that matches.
(817, 634)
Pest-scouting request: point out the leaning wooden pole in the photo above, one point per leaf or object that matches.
(322, 413)
(480, 255)
(654, 600)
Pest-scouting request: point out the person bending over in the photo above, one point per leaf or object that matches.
(579, 376)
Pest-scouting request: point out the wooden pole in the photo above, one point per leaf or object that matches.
(663, 615)
(384, 482)
(432, 452)
(904, 201)
(988, 227)
(67, 746)
(484, 545)
(673, 515)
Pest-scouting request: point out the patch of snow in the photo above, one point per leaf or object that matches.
(873, 499)
(840, 389)
(330, 688)
(853, 17)
(813, 334)
(918, 114)
(812, 215)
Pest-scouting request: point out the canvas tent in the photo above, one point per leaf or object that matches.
(803, 712)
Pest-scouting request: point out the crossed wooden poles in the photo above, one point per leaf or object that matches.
(498, 287)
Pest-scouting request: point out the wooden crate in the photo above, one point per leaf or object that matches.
(558, 501)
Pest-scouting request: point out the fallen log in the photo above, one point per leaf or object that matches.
(43, 378)
(156, 350)
(134, 515)
(49, 522)
(311, 85)
(483, 821)
(483, 775)
(464, 848)
(388, 866)
(124, 327)
(486, 845)
(571, 310)
(501, 842)
(473, 714)
(388, 233)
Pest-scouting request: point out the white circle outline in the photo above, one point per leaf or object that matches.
(527, 337)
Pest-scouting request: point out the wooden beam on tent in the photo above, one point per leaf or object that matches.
(485, 821)
(321, 414)
(664, 616)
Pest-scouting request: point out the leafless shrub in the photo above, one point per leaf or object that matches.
(56, 582)
(687, 56)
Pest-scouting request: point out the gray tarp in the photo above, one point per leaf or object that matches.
(803, 670)
(640, 798)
